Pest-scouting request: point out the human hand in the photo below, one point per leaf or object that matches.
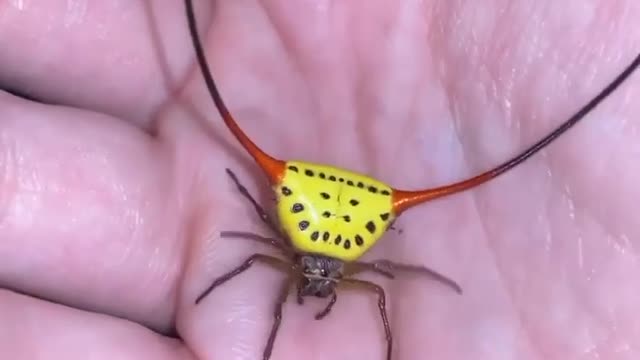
(112, 201)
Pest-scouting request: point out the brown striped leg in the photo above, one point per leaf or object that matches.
(283, 247)
(390, 269)
(277, 314)
(381, 306)
(299, 296)
(327, 310)
(264, 216)
(269, 260)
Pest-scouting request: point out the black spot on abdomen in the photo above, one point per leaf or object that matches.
(371, 227)
(296, 208)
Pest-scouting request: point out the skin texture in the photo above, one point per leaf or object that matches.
(112, 195)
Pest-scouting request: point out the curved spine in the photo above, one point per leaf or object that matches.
(273, 168)
(403, 200)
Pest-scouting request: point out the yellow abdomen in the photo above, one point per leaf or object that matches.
(331, 211)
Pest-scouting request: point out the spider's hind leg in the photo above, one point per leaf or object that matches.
(390, 269)
(274, 242)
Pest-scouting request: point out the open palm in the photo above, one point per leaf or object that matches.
(113, 193)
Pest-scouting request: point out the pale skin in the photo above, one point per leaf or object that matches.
(111, 202)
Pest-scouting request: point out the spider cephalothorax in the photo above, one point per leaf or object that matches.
(320, 275)
(329, 217)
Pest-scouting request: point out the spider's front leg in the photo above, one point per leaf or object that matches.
(382, 307)
(262, 213)
(267, 259)
(277, 314)
(321, 315)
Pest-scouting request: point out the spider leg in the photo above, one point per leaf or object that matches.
(277, 315)
(299, 296)
(269, 260)
(357, 267)
(274, 242)
(264, 216)
(381, 306)
(327, 310)
(390, 269)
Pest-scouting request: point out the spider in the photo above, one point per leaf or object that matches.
(315, 274)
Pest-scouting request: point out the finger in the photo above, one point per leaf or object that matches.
(89, 212)
(122, 58)
(37, 329)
